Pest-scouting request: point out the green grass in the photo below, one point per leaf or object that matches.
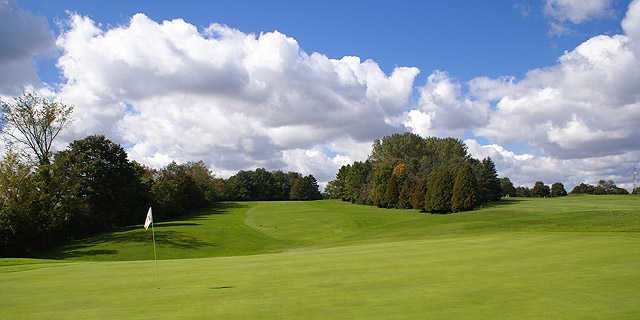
(562, 258)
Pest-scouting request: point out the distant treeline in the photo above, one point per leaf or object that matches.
(557, 189)
(407, 171)
(603, 187)
(92, 187)
(539, 190)
(261, 184)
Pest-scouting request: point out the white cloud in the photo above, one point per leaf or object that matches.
(577, 11)
(586, 105)
(559, 29)
(239, 101)
(23, 36)
(443, 110)
(235, 100)
(579, 115)
(526, 169)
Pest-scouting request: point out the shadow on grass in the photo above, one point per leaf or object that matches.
(86, 253)
(136, 234)
(174, 224)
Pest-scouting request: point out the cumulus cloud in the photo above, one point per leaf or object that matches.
(169, 91)
(172, 92)
(586, 105)
(525, 169)
(23, 35)
(443, 110)
(579, 115)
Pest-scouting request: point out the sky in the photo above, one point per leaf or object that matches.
(547, 88)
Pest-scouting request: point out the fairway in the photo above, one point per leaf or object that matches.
(560, 258)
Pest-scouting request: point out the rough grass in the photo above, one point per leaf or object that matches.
(565, 258)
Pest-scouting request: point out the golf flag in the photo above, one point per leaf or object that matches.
(149, 219)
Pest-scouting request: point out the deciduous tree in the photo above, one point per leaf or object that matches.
(557, 190)
(35, 121)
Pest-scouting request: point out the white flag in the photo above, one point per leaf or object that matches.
(149, 219)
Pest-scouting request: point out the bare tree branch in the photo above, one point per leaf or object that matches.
(34, 121)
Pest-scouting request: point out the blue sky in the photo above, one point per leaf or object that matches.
(466, 38)
(517, 80)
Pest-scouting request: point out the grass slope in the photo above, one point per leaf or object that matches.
(575, 257)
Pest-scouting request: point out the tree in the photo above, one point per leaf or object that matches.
(35, 122)
(540, 190)
(392, 191)
(583, 188)
(297, 190)
(398, 147)
(355, 186)
(609, 187)
(636, 190)
(22, 225)
(507, 187)
(523, 192)
(603, 187)
(557, 190)
(203, 178)
(331, 191)
(310, 189)
(381, 176)
(96, 186)
(465, 191)
(404, 199)
(490, 189)
(223, 191)
(175, 192)
(418, 195)
(280, 187)
(439, 192)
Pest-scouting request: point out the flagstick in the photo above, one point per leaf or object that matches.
(155, 257)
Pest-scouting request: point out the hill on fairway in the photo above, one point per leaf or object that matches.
(563, 258)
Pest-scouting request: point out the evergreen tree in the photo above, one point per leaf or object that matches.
(465, 191)
(490, 189)
(391, 193)
(439, 192)
(310, 190)
(404, 199)
(418, 195)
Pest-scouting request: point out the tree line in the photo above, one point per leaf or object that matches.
(539, 190)
(407, 171)
(260, 184)
(92, 186)
(603, 187)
